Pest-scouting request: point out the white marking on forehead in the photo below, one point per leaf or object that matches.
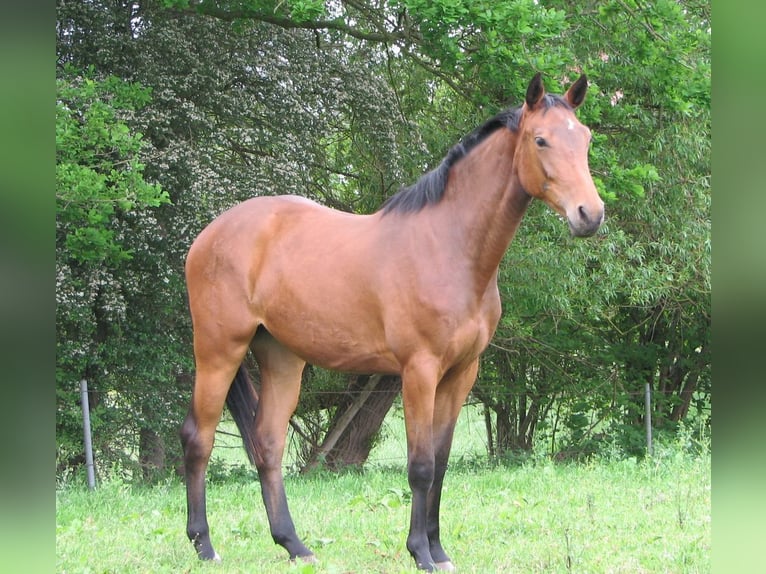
(570, 124)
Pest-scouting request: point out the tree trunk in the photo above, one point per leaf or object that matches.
(351, 434)
(681, 409)
(151, 454)
(488, 427)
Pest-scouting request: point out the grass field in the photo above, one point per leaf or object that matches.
(606, 516)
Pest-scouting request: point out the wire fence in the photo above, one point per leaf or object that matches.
(390, 450)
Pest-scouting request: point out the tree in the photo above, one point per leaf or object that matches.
(634, 307)
(103, 204)
(98, 167)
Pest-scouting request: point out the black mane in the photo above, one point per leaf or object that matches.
(429, 189)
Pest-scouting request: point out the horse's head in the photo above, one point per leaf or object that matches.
(552, 156)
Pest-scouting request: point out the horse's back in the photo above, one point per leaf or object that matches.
(306, 272)
(261, 225)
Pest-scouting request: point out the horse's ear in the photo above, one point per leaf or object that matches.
(576, 92)
(535, 91)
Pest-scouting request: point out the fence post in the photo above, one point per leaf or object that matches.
(86, 434)
(648, 418)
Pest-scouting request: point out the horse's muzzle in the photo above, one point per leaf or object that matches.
(586, 220)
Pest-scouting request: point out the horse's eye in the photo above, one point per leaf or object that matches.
(541, 142)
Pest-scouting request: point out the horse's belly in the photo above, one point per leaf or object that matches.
(335, 342)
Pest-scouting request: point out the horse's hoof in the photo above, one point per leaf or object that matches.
(445, 566)
(214, 558)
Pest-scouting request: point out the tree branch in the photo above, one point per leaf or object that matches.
(336, 24)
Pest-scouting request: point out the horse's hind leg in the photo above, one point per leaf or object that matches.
(197, 437)
(281, 372)
(217, 355)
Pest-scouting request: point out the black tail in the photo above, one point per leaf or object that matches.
(243, 402)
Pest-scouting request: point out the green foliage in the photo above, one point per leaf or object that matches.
(98, 168)
(299, 11)
(587, 324)
(106, 251)
(490, 48)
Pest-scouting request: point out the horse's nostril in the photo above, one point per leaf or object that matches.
(590, 219)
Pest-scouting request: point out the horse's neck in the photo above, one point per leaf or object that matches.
(485, 203)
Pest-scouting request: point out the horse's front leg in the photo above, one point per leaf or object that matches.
(418, 390)
(450, 397)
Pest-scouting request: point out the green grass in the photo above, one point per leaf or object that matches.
(606, 516)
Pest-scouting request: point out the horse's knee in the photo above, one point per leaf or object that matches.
(420, 473)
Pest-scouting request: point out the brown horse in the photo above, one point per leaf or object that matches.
(409, 290)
